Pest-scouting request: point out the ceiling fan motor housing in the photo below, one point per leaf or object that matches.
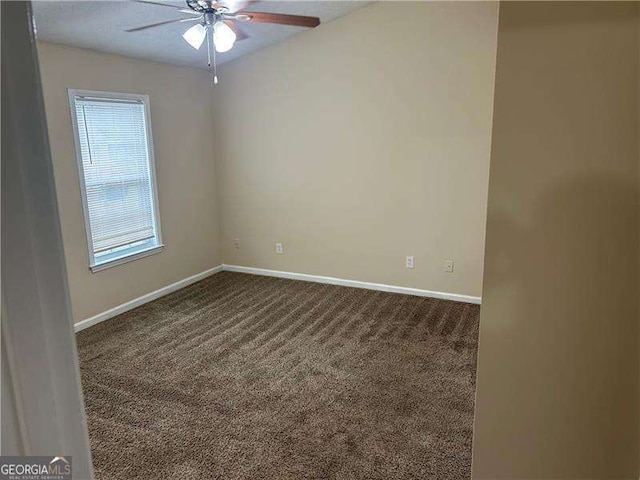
(205, 6)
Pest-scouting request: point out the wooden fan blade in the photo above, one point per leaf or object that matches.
(161, 23)
(240, 33)
(279, 18)
(235, 5)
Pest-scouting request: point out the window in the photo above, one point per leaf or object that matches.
(114, 149)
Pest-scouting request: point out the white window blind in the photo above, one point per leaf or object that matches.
(115, 156)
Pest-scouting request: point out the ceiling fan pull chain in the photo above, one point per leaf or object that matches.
(208, 49)
(215, 65)
(209, 41)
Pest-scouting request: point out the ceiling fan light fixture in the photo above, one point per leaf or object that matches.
(223, 37)
(195, 36)
(217, 24)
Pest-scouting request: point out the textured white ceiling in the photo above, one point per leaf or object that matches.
(101, 25)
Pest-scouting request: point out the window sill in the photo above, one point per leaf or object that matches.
(114, 263)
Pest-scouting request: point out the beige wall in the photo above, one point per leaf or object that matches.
(367, 140)
(558, 361)
(181, 123)
(362, 142)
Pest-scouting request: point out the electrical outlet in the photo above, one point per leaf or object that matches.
(236, 243)
(279, 248)
(448, 266)
(409, 262)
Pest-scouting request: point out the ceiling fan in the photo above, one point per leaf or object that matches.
(217, 23)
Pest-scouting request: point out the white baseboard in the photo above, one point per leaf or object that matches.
(136, 302)
(456, 297)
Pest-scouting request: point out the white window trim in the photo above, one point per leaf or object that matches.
(159, 246)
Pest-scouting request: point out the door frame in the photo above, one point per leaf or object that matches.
(43, 408)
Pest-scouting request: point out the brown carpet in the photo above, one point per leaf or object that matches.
(248, 377)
